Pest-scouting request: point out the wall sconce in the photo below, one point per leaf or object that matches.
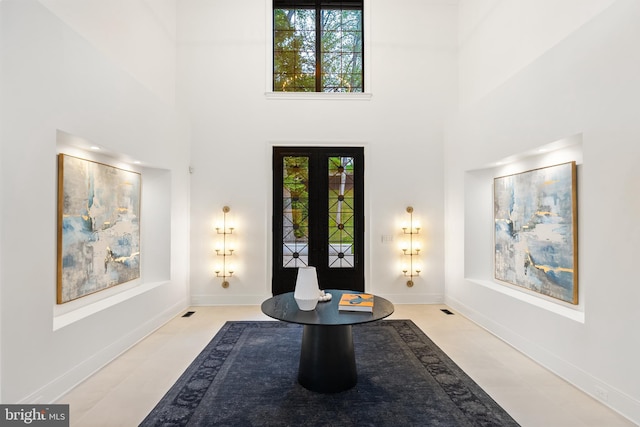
(224, 249)
(410, 249)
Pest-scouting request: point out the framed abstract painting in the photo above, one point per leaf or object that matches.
(535, 240)
(98, 227)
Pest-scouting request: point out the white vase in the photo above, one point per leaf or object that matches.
(307, 291)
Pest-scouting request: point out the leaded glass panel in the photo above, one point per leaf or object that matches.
(341, 212)
(295, 212)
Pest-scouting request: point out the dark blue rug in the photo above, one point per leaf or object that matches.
(247, 376)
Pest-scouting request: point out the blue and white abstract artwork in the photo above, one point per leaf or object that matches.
(98, 227)
(535, 231)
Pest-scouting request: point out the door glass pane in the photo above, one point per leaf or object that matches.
(295, 212)
(341, 214)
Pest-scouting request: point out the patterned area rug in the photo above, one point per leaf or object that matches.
(247, 376)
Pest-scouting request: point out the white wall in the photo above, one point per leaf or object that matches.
(498, 38)
(586, 88)
(139, 35)
(223, 52)
(55, 80)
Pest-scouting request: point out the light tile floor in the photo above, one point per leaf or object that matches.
(124, 391)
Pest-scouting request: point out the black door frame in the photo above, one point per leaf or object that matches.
(283, 279)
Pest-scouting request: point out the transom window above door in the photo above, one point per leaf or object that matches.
(318, 46)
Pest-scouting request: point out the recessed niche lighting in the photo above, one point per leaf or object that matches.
(136, 162)
(95, 147)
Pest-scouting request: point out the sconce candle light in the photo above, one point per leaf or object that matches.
(410, 249)
(224, 249)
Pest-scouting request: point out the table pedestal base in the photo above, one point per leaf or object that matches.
(327, 359)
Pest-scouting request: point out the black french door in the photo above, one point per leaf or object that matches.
(318, 216)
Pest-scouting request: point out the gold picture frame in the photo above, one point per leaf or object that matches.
(536, 233)
(98, 227)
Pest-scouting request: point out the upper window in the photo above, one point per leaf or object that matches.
(318, 46)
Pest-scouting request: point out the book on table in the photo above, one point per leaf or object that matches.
(356, 302)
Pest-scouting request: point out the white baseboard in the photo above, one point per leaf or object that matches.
(608, 395)
(413, 298)
(209, 300)
(55, 389)
(212, 300)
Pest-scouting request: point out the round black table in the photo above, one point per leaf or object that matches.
(327, 357)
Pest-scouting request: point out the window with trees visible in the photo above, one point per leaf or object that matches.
(318, 46)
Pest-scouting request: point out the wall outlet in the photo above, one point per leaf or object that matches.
(602, 394)
(387, 238)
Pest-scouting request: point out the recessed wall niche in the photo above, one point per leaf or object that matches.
(155, 231)
(479, 222)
